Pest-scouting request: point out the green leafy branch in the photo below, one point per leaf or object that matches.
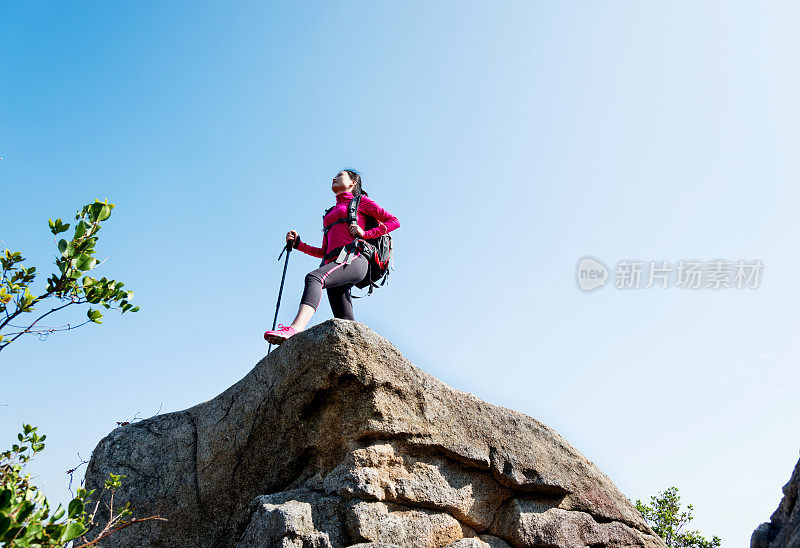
(70, 285)
(25, 518)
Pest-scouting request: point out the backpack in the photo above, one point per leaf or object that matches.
(377, 251)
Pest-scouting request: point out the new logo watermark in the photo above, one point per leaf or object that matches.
(592, 274)
(684, 274)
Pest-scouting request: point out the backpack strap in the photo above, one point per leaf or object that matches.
(352, 209)
(350, 218)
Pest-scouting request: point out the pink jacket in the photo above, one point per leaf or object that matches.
(339, 233)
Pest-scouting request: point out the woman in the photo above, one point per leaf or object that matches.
(342, 268)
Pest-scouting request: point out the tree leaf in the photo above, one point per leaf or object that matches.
(5, 498)
(69, 252)
(80, 230)
(12, 532)
(75, 507)
(73, 530)
(105, 213)
(95, 210)
(25, 510)
(85, 262)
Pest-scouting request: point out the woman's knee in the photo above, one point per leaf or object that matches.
(313, 277)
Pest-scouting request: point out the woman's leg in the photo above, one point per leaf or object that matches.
(327, 276)
(341, 302)
(304, 314)
(312, 294)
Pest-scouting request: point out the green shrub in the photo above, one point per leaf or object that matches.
(664, 516)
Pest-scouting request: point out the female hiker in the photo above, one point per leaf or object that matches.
(343, 263)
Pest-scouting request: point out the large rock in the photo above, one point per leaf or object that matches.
(783, 528)
(335, 439)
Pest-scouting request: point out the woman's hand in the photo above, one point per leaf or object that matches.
(356, 231)
(291, 236)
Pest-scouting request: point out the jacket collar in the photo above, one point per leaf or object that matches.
(344, 197)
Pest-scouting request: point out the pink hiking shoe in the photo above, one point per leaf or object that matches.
(279, 335)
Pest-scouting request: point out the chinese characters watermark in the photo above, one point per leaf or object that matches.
(685, 274)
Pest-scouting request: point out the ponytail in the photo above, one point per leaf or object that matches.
(356, 176)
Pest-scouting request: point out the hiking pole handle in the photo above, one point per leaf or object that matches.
(287, 248)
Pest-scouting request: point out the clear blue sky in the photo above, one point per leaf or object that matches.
(510, 139)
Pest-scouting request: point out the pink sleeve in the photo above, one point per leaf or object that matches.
(310, 249)
(387, 221)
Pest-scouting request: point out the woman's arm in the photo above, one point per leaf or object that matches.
(307, 249)
(387, 221)
(310, 250)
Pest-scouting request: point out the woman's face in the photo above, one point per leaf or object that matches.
(342, 183)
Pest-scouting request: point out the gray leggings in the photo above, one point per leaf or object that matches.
(337, 279)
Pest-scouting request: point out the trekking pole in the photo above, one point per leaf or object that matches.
(288, 250)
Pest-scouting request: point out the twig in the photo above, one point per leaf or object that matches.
(47, 330)
(159, 410)
(120, 527)
(37, 319)
(72, 471)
